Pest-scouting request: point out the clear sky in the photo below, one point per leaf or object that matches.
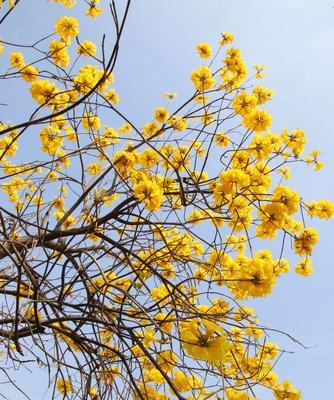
(295, 40)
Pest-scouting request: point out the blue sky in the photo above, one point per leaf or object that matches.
(294, 39)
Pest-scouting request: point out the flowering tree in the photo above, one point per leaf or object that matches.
(128, 253)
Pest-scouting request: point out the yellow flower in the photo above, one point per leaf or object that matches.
(323, 209)
(94, 168)
(150, 194)
(51, 140)
(64, 386)
(125, 128)
(259, 69)
(154, 375)
(111, 134)
(304, 267)
(256, 280)
(262, 94)
(67, 27)
(286, 391)
(179, 124)
(288, 197)
(170, 96)
(43, 91)
(91, 122)
(124, 161)
(244, 103)
(257, 120)
(161, 114)
(295, 140)
(16, 60)
(164, 322)
(204, 341)
(58, 203)
(29, 73)
(167, 360)
(196, 216)
(181, 381)
(93, 11)
(108, 375)
(303, 244)
(86, 48)
(160, 294)
(232, 180)
(204, 50)
(286, 172)
(221, 139)
(148, 337)
(112, 96)
(227, 38)
(148, 158)
(58, 52)
(313, 159)
(89, 76)
(151, 129)
(202, 78)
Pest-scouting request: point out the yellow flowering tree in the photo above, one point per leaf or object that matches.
(128, 253)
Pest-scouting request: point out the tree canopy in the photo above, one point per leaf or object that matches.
(128, 252)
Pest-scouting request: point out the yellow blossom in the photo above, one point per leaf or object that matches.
(204, 50)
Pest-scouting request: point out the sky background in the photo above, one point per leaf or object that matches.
(294, 39)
